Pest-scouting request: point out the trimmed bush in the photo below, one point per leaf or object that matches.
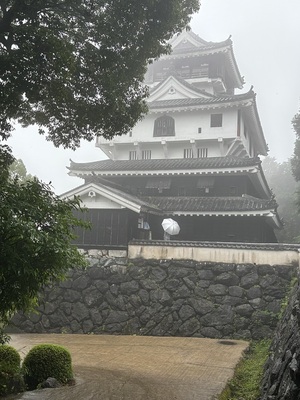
(10, 359)
(44, 361)
(11, 380)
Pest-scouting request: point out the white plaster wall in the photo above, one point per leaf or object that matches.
(214, 254)
(175, 149)
(186, 129)
(123, 150)
(186, 126)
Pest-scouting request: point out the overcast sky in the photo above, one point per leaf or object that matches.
(266, 36)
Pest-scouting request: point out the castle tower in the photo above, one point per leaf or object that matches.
(194, 157)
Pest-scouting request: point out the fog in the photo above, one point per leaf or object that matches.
(265, 36)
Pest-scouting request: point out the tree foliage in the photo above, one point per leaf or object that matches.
(36, 230)
(18, 170)
(282, 182)
(75, 67)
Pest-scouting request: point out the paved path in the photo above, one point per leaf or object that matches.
(139, 367)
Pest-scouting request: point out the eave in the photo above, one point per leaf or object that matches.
(270, 215)
(201, 103)
(177, 167)
(179, 172)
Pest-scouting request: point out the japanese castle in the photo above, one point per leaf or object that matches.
(193, 158)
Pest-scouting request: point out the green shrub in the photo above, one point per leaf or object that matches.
(11, 380)
(10, 359)
(44, 361)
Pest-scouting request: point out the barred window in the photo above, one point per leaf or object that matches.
(132, 155)
(146, 154)
(187, 153)
(202, 152)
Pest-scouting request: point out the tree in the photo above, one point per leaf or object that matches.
(36, 230)
(285, 187)
(75, 67)
(18, 170)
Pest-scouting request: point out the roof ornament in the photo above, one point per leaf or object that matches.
(92, 193)
(172, 90)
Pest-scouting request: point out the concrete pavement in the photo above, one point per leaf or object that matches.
(139, 367)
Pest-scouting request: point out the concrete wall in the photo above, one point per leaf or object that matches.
(154, 297)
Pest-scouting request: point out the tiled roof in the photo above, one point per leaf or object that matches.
(203, 48)
(210, 204)
(225, 245)
(165, 164)
(200, 101)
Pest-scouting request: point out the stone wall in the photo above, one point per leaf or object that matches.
(282, 372)
(151, 297)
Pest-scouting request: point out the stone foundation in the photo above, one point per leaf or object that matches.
(164, 298)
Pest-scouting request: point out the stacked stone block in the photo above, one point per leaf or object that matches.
(163, 298)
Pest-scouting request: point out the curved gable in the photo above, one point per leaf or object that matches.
(187, 39)
(173, 88)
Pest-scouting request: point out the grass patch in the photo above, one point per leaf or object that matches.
(287, 298)
(248, 374)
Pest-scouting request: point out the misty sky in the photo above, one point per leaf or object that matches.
(266, 36)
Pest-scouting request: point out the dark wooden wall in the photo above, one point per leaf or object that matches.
(110, 228)
(218, 229)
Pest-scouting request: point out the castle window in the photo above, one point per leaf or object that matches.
(199, 130)
(132, 155)
(164, 126)
(188, 153)
(202, 152)
(146, 154)
(216, 120)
